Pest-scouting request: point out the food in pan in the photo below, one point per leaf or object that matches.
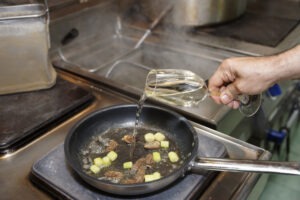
(107, 156)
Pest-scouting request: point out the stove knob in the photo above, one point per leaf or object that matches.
(276, 136)
(274, 91)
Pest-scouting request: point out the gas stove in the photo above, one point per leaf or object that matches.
(38, 170)
(71, 100)
(53, 174)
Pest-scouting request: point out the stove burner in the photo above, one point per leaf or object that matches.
(25, 116)
(52, 174)
(254, 28)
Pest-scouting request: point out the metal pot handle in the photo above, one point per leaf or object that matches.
(257, 166)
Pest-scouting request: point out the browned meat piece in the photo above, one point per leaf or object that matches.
(140, 175)
(139, 170)
(152, 145)
(128, 139)
(114, 174)
(140, 163)
(149, 159)
(112, 145)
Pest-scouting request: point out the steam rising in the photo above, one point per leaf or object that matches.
(103, 46)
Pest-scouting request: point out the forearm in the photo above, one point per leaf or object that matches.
(288, 64)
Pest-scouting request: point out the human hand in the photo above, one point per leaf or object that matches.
(252, 75)
(241, 75)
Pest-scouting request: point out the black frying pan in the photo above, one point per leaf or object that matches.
(171, 123)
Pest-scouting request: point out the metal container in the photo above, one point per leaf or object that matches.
(24, 36)
(197, 12)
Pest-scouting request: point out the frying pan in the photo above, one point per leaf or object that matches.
(176, 127)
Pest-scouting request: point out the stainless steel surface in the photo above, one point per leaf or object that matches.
(95, 55)
(197, 13)
(23, 11)
(155, 22)
(273, 8)
(276, 9)
(24, 35)
(218, 164)
(235, 152)
(16, 166)
(88, 17)
(162, 49)
(124, 63)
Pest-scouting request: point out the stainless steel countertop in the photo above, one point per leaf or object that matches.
(87, 55)
(15, 167)
(181, 50)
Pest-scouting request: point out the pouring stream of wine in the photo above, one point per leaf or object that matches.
(136, 124)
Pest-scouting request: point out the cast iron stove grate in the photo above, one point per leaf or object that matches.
(25, 116)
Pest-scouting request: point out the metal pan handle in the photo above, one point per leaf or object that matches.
(257, 166)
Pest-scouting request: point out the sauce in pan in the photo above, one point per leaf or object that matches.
(143, 160)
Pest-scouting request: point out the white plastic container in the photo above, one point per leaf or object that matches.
(24, 47)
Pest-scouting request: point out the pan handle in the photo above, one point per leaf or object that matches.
(257, 166)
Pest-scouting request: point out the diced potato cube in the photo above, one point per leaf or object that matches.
(159, 136)
(164, 144)
(149, 178)
(95, 169)
(106, 161)
(112, 155)
(156, 175)
(149, 137)
(127, 165)
(98, 162)
(152, 177)
(173, 156)
(156, 156)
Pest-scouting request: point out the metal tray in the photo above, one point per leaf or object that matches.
(91, 55)
(132, 71)
(128, 69)
(24, 48)
(158, 57)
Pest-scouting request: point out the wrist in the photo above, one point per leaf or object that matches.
(288, 64)
(279, 69)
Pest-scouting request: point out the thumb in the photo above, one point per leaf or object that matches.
(229, 93)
